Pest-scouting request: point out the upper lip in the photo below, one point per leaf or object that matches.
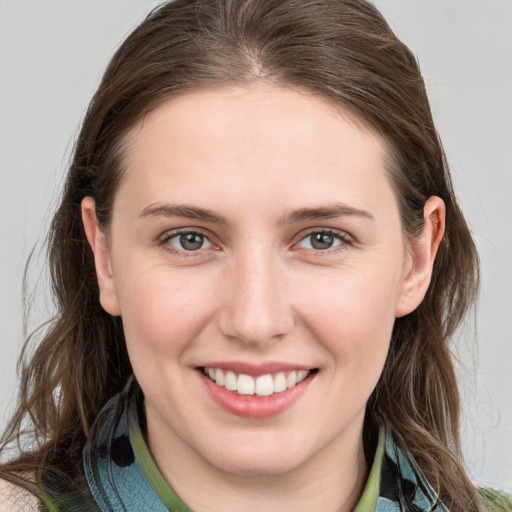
(256, 370)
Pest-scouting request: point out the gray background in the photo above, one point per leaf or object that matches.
(52, 54)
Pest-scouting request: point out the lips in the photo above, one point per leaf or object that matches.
(256, 391)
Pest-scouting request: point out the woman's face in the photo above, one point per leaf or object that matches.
(256, 238)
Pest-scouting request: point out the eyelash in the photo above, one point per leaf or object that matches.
(345, 240)
(167, 237)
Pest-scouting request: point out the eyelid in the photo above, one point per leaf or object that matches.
(346, 240)
(164, 238)
(166, 235)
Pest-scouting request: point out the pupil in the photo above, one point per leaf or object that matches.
(191, 241)
(322, 240)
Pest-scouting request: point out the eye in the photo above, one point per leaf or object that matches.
(323, 240)
(188, 241)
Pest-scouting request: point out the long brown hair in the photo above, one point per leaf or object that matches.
(341, 50)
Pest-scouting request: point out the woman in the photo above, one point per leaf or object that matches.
(259, 261)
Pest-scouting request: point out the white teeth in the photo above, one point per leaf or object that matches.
(264, 385)
(301, 375)
(279, 382)
(291, 380)
(245, 384)
(219, 377)
(231, 381)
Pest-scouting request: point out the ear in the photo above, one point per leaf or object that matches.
(96, 239)
(422, 253)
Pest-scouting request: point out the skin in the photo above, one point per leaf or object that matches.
(258, 290)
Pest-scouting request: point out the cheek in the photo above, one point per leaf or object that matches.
(354, 316)
(163, 310)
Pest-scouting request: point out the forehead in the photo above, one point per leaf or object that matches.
(264, 141)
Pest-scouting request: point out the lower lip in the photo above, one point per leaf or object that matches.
(256, 407)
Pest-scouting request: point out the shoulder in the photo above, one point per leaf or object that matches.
(496, 501)
(16, 499)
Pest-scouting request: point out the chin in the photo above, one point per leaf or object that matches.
(257, 463)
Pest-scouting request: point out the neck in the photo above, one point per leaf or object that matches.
(332, 480)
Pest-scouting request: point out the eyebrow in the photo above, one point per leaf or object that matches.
(205, 215)
(183, 210)
(326, 212)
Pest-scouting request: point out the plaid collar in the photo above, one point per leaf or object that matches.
(402, 486)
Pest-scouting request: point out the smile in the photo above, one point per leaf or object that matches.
(264, 385)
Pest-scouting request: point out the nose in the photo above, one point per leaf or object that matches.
(256, 309)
